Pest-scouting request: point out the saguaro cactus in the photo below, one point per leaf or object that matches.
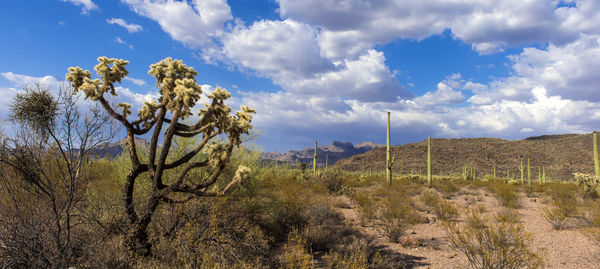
(596, 163)
(543, 176)
(315, 161)
(179, 93)
(528, 173)
(326, 161)
(521, 169)
(429, 161)
(389, 162)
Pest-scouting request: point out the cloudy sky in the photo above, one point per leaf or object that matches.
(330, 69)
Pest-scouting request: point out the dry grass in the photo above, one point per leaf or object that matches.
(493, 245)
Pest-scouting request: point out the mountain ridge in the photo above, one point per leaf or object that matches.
(331, 153)
(560, 155)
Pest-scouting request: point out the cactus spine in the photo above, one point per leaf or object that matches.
(315, 160)
(389, 162)
(596, 163)
(429, 161)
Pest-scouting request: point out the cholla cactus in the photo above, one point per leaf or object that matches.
(591, 184)
(179, 94)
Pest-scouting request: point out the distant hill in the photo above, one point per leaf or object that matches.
(334, 152)
(113, 149)
(561, 155)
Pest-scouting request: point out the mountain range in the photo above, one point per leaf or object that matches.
(332, 153)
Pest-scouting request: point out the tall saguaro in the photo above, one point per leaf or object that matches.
(388, 161)
(315, 160)
(528, 173)
(429, 161)
(596, 163)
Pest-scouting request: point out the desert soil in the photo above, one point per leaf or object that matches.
(428, 245)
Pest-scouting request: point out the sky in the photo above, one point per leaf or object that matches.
(330, 69)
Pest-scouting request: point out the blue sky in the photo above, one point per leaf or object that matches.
(329, 70)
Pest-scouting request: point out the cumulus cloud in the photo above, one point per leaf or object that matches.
(195, 24)
(20, 80)
(570, 71)
(366, 79)
(131, 27)
(352, 26)
(287, 52)
(86, 5)
(281, 50)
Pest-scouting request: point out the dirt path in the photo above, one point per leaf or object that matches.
(429, 246)
(561, 248)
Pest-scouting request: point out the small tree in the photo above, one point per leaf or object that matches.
(44, 170)
(179, 92)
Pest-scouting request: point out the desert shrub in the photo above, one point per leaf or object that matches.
(480, 208)
(324, 229)
(562, 206)
(506, 194)
(591, 213)
(493, 245)
(394, 229)
(429, 198)
(398, 215)
(447, 187)
(367, 206)
(295, 255)
(334, 182)
(400, 207)
(357, 253)
(508, 215)
(443, 209)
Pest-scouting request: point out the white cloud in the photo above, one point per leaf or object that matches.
(366, 79)
(351, 26)
(194, 24)
(570, 71)
(121, 41)
(86, 5)
(442, 97)
(139, 82)
(19, 80)
(281, 50)
(131, 27)
(287, 52)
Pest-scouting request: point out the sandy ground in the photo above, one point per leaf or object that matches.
(569, 248)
